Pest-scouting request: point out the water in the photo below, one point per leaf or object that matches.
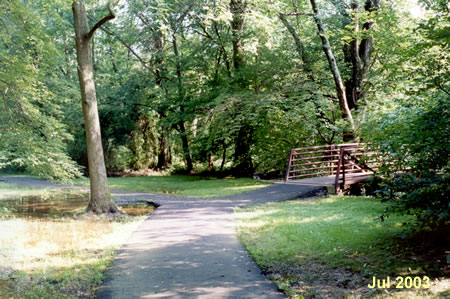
(58, 206)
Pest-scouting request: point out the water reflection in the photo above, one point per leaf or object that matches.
(58, 206)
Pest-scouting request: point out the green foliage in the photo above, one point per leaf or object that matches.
(414, 145)
(277, 99)
(119, 158)
(412, 132)
(32, 136)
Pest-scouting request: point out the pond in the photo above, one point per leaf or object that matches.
(58, 206)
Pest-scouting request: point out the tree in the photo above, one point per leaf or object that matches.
(101, 201)
(411, 133)
(340, 88)
(33, 136)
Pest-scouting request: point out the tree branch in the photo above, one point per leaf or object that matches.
(297, 14)
(101, 22)
(439, 85)
(109, 32)
(340, 89)
(185, 12)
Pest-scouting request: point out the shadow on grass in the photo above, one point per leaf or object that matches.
(79, 281)
(337, 242)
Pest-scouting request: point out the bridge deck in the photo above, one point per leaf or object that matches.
(329, 181)
(335, 165)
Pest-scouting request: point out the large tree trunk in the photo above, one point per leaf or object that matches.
(242, 157)
(164, 158)
(182, 127)
(164, 149)
(186, 148)
(358, 54)
(243, 165)
(101, 201)
(340, 89)
(237, 8)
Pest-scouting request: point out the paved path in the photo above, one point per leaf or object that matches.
(188, 248)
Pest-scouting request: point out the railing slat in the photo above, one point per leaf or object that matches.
(313, 168)
(315, 157)
(336, 159)
(314, 163)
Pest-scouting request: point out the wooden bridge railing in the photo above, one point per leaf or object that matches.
(349, 163)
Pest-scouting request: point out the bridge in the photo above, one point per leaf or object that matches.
(335, 165)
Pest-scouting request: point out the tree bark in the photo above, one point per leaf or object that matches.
(237, 8)
(160, 68)
(186, 148)
(101, 201)
(164, 149)
(297, 40)
(340, 89)
(184, 139)
(164, 158)
(358, 54)
(242, 157)
(210, 162)
(224, 156)
(164, 146)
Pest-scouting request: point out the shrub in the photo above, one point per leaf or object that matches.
(414, 145)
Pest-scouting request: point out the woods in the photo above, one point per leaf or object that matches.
(314, 133)
(224, 87)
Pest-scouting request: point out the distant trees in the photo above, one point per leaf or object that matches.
(227, 85)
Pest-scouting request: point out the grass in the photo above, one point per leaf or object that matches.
(330, 247)
(18, 175)
(8, 190)
(182, 185)
(57, 257)
(53, 258)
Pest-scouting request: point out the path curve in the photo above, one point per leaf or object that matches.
(188, 248)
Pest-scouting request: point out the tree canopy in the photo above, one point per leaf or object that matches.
(223, 85)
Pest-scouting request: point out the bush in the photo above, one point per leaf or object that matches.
(414, 145)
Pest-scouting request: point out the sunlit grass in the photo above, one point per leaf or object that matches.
(182, 185)
(58, 257)
(325, 237)
(8, 190)
(66, 257)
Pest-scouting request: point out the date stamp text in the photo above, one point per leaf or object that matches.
(400, 282)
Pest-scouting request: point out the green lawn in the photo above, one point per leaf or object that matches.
(328, 247)
(182, 185)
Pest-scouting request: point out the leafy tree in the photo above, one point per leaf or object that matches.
(412, 134)
(33, 136)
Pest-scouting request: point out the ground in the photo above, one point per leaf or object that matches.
(333, 247)
(307, 247)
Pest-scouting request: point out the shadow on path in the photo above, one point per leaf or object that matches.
(188, 248)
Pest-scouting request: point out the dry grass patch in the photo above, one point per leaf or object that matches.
(64, 257)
